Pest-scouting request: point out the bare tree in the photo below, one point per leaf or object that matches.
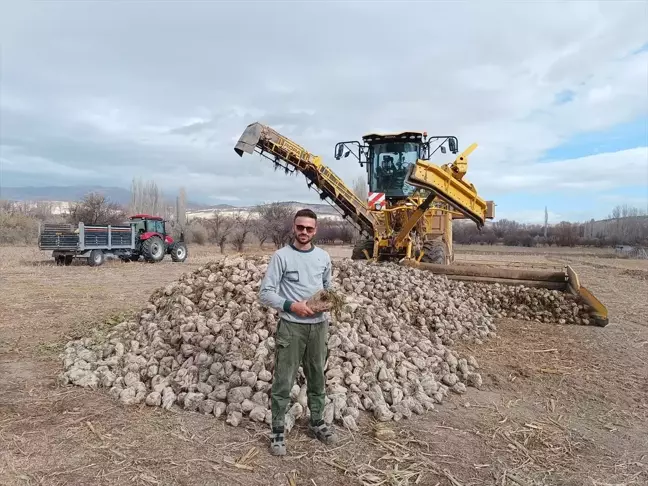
(146, 197)
(567, 233)
(95, 208)
(178, 214)
(259, 226)
(181, 208)
(219, 227)
(504, 227)
(274, 223)
(629, 225)
(244, 222)
(360, 188)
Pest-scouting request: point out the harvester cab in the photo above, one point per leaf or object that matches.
(415, 220)
(388, 157)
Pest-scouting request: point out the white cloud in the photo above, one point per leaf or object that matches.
(599, 172)
(640, 202)
(121, 93)
(12, 160)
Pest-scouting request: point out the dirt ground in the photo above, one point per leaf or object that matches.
(563, 405)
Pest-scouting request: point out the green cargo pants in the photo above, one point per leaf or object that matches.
(296, 344)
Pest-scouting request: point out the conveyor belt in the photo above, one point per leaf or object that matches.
(266, 141)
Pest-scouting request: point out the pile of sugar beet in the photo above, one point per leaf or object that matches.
(204, 343)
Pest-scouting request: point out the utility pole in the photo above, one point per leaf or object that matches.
(546, 222)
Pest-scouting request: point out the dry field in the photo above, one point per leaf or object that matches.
(561, 405)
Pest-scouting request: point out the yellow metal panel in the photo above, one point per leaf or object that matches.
(460, 165)
(600, 312)
(448, 238)
(454, 191)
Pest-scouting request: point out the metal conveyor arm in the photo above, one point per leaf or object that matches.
(274, 146)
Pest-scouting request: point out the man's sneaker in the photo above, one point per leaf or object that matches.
(323, 432)
(277, 442)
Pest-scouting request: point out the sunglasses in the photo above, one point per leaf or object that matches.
(308, 229)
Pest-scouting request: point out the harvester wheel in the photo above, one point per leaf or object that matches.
(153, 249)
(434, 252)
(178, 252)
(360, 246)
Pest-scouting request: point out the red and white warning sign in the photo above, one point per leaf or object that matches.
(376, 200)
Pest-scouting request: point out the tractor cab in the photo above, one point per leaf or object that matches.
(147, 226)
(388, 158)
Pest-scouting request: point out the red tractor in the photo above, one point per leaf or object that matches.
(153, 242)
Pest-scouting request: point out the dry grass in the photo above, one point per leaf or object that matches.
(560, 405)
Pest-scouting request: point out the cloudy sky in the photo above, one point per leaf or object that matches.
(555, 94)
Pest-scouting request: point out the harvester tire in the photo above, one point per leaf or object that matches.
(358, 253)
(178, 252)
(153, 249)
(434, 252)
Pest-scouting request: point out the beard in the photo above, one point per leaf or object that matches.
(303, 239)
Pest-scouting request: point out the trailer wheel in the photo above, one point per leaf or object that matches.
(96, 258)
(59, 259)
(153, 249)
(68, 260)
(178, 252)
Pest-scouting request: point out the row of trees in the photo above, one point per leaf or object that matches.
(272, 223)
(626, 225)
(512, 233)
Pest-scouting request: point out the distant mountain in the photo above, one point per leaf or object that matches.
(220, 206)
(74, 193)
(123, 196)
(317, 208)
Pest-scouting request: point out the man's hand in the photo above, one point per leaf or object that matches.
(301, 309)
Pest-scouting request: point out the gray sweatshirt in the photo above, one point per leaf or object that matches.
(294, 275)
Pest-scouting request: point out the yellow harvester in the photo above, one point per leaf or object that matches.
(408, 214)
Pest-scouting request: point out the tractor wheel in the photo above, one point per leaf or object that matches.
(178, 252)
(153, 249)
(358, 253)
(434, 252)
(96, 258)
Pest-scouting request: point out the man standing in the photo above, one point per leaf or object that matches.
(294, 274)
